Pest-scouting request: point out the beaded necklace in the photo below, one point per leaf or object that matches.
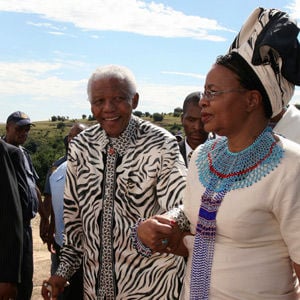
(220, 171)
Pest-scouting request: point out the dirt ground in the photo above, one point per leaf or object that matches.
(41, 257)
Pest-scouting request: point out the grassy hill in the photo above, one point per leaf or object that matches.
(45, 141)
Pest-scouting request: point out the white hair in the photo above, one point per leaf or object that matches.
(121, 73)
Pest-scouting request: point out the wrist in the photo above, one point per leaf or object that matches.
(137, 243)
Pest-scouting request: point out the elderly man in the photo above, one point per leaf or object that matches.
(120, 170)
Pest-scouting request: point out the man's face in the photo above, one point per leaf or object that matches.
(111, 105)
(193, 126)
(16, 135)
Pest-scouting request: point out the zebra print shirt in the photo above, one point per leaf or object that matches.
(110, 184)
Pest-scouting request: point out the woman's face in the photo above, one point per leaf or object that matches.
(225, 113)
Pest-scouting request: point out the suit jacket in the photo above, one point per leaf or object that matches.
(183, 151)
(11, 224)
(31, 178)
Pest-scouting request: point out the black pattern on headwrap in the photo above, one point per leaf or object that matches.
(279, 34)
(268, 43)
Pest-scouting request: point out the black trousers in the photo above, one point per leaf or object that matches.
(26, 285)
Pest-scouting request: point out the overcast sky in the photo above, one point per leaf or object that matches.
(49, 48)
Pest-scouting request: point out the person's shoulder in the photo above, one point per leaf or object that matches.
(89, 130)
(88, 133)
(8, 146)
(290, 147)
(153, 129)
(60, 167)
(181, 143)
(3, 146)
(12, 150)
(290, 162)
(292, 108)
(59, 161)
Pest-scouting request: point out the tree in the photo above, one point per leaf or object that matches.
(177, 112)
(138, 113)
(61, 125)
(83, 117)
(157, 117)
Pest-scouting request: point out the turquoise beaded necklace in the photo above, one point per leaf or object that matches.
(220, 171)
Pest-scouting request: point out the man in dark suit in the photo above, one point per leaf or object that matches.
(18, 125)
(193, 127)
(11, 221)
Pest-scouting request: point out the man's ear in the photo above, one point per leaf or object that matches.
(135, 101)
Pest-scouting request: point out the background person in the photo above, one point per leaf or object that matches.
(18, 125)
(195, 135)
(11, 226)
(46, 234)
(287, 123)
(120, 170)
(56, 228)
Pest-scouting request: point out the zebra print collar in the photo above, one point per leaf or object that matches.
(122, 143)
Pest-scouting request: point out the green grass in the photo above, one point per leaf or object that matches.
(45, 141)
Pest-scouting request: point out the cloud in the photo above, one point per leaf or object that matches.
(193, 75)
(47, 25)
(37, 80)
(35, 87)
(294, 7)
(163, 98)
(39, 89)
(140, 17)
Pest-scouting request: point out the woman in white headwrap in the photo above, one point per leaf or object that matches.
(242, 199)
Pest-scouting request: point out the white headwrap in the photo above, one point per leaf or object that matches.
(268, 43)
